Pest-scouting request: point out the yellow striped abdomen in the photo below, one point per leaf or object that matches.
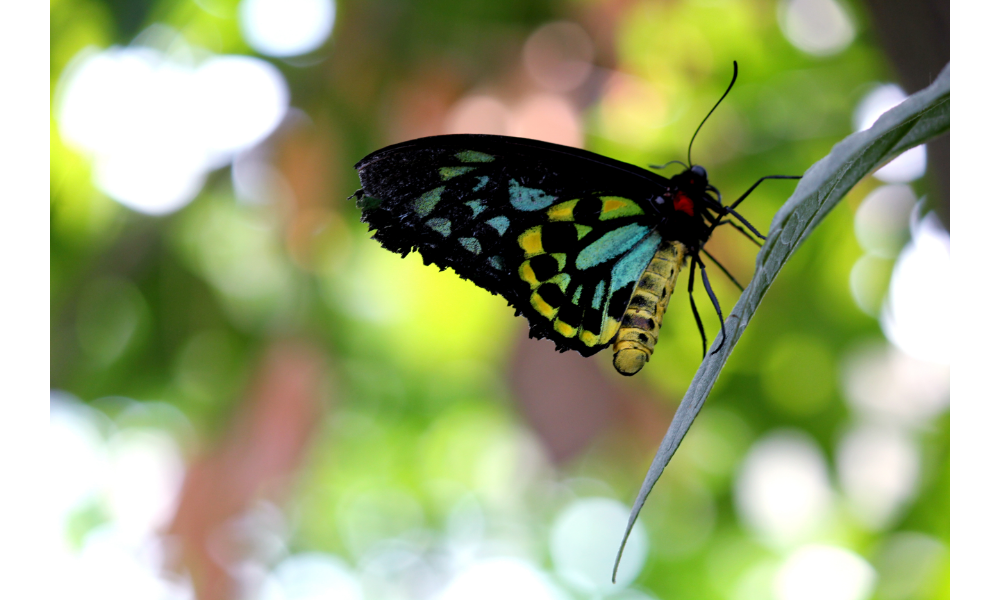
(640, 326)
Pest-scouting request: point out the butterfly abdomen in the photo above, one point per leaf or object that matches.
(640, 327)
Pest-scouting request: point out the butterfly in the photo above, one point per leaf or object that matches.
(588, 248)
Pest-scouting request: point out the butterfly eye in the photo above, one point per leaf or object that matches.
(659, 200)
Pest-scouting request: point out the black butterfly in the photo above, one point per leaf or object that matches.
(586, 247)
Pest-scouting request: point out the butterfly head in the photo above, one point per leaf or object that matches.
(686, 193)
(686, 205)
(697, 176)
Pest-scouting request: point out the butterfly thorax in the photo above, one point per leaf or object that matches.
(684, 208)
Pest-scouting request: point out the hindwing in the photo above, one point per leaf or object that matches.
(562, 234)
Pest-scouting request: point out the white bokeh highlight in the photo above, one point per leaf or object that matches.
(877, 101)
(501, 579)
(878, 468)
(822, 572)
(584, 542)
(888, 386)
(284, 28)
(312, 576)
(145, 479)
(78, 459)
(111, 566)
(882, 228)
(918, 314)
(906, 167)
(782, 490)
(157, 120)
(130, 476)
(818, 27)
(882, 221)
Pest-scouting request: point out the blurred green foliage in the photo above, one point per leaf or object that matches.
(178, 309)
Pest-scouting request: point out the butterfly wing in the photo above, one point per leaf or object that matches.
(562, 234)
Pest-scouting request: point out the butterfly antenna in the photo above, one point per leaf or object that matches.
(665, 165)
(694, 309)
(712, 111)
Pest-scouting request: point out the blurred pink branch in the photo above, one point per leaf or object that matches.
(570, 401)
(255, 459)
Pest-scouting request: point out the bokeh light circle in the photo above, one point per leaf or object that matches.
(314, 576)
(882, 221)
(879, 468)
(558, 56)
(286, 27)
(818, 27)
(156, 121)
(246, 98)
(822, 572)
(783, 490)
(584, 542)
(501, 579)
(909, 165)
(918, 317)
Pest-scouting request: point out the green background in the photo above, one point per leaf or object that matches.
(425, 399)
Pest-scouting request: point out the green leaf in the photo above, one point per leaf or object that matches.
(919, 118)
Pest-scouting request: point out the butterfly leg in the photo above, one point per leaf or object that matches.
(715, 301)
(754, 186)
(694, 309)
(731, 209)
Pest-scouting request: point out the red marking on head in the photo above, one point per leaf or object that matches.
(684, 204)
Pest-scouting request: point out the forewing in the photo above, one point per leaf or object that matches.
(560, 233)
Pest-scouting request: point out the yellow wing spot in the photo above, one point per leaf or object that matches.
(531, 241)
(609, 330)
(615, 207)
(528, 274)
(564, 329)
(589, 338)
(562, 280)
(543, 307)
(581, 230)
(563, 211)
